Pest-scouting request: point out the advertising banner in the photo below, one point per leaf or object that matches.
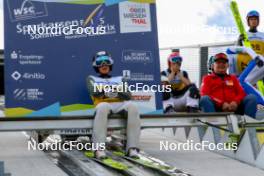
(49, 46)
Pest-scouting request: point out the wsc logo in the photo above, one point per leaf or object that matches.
(26, 9)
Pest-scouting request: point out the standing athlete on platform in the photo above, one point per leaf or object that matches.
(113, 101)
(239, 60)
(240, 56)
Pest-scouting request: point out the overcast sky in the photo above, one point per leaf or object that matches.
(185, 22)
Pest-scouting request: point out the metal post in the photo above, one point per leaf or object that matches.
(234, 123)
(203, 61)
(2, 172)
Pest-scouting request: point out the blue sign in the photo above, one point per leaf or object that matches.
(49, 48)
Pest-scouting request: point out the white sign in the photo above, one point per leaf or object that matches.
(134, 17)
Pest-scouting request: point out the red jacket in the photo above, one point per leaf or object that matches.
(220, 90)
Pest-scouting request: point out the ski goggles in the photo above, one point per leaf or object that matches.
(103, 60)
(220, 56)
(177, 59)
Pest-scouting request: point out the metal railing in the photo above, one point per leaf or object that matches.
(118, 122)
(195, 57)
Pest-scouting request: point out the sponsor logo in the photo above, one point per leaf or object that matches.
(134, 17)
(96, 18)
(28, 94)
(133, 56)
(27, 76)
(19, 94)
(75, 131)
(27, 59)
(13, 55)
(127, 74)
(37, 76)
(16, 75)
(130, 76)
(34, 94)
(141, 97)
(26, 9)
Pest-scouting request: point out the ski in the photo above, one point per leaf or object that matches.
(153, 164)
(141, 170)
(239, 23)
(164, 170)
(112, 163)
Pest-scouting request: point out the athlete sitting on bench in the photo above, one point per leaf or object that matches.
(184, 95)
(111, 102)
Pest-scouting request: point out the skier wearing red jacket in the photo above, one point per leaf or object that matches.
(223, 92)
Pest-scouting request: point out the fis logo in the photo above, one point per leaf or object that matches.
(26, 9)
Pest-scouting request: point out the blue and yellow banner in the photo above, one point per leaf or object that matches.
(49, 45)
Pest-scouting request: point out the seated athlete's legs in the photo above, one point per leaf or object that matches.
(189, 100)
(133, 125)
(206, 104)
(248, 106)
(100, 122)
(192, 98)
(168, 105)
(179, 103)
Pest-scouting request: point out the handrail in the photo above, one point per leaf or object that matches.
(220, 44)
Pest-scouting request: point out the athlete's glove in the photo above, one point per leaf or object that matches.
(166, 95)
(194, 92)
(240, 40)
(259, 61)
(111, 94)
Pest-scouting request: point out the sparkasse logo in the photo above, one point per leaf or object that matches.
(26, 9)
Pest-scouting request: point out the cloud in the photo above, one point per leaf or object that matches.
(195, 22)
(188, 22)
